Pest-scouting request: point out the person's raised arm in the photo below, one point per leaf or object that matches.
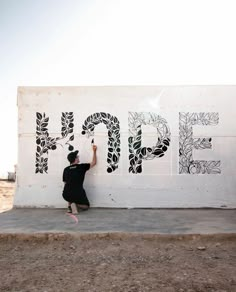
(94, 160)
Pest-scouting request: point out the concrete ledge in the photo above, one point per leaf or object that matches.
(118, 221)
(42, 237)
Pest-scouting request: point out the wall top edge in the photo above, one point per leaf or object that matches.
(126, 86)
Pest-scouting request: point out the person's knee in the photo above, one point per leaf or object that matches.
(83, 207)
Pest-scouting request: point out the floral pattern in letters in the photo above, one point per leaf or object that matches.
(113, 126)
(45, 142)
(187, 143)
(138, 153)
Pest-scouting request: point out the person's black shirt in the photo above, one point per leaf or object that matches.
(73, 176)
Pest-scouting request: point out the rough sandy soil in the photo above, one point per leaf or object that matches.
(70, 264)
(65, 263)
(6, 195)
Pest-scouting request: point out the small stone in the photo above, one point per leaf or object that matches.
(201, 248)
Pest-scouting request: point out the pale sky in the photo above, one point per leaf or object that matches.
(110, 42)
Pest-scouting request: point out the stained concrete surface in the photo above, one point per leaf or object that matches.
(154, 221)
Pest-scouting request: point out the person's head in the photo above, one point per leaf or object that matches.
(73, 157)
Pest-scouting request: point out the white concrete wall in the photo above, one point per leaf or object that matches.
(206, 111)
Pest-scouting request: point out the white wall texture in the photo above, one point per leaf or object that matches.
(196, 169)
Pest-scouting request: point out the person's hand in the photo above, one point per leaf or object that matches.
(94, 148)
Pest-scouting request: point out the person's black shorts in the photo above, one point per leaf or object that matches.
(78, 198)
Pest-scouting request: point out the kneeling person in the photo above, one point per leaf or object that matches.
(73, 177)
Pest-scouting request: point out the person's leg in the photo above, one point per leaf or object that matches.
(82, 207)
(82, 202)
(69, 209)
(67, 198)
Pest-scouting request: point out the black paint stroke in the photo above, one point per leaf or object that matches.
(187, 143)
(45, 142)
(138, 153)
(113, 126)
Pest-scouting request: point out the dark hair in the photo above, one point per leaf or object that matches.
(72, 156)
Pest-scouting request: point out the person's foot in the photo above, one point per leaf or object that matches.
(69, 209)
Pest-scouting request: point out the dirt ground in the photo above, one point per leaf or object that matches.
(65, 263)
(117, 265)
(6, 195)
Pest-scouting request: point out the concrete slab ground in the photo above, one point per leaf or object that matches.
(96, 220)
